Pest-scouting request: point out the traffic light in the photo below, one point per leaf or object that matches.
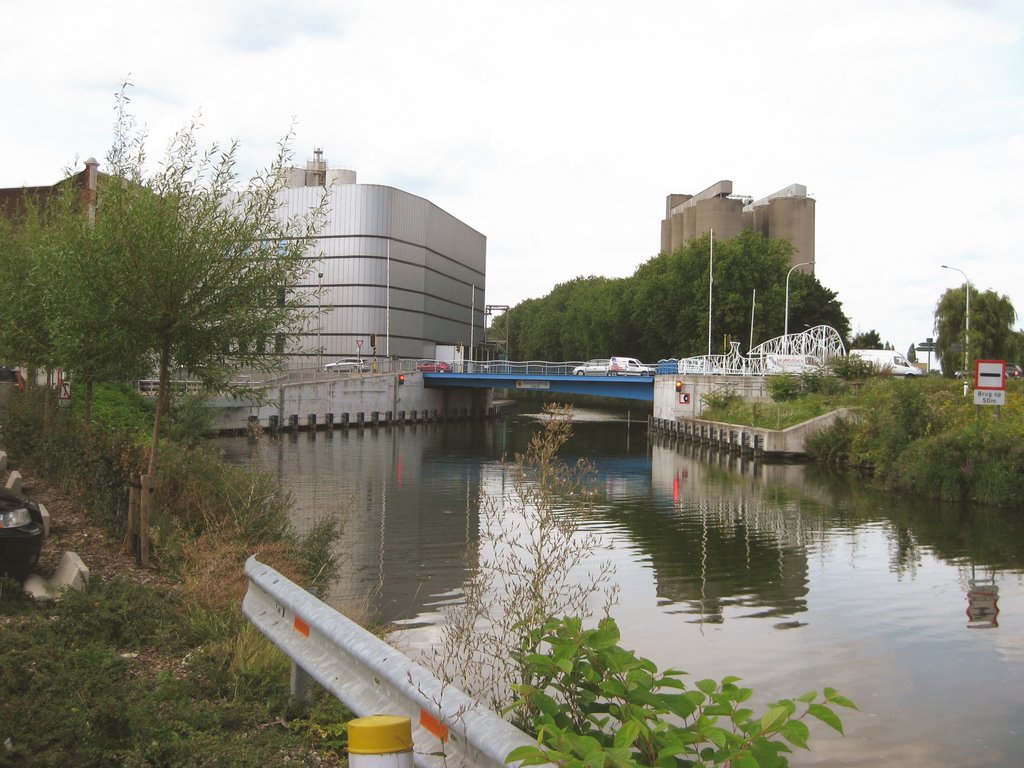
(373, 340)
(401, 379)
(679, 386)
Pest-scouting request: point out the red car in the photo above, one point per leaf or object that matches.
(434, 366)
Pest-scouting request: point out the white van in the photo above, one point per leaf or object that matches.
(888, 360)
(628, 366)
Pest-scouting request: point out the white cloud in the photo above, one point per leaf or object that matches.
(558, 129)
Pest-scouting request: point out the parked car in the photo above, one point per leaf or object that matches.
(348, 364)
(21, 534)
(8, 375)
(595, 367)
(434, 366)
(628, 366)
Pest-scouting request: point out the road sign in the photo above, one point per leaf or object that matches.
(990, 374)
(359, 343)
(990, 397)
(64, 392)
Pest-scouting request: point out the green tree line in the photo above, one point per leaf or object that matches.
(661, 311)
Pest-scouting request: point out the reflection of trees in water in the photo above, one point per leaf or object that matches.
(713, 555)
(905, 555)
(986, 536)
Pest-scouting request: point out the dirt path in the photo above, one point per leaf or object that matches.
(70, 530)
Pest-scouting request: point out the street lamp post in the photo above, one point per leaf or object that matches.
(711, 284)
(319, 318)
(967, 321)
(785, 332)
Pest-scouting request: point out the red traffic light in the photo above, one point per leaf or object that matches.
(401, 378)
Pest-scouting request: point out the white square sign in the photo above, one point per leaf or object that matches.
(990, 397)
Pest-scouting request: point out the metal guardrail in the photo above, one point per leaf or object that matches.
(370, 677)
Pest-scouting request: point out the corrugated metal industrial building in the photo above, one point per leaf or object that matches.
(390, 267)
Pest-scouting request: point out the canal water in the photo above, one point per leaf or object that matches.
(784, 575)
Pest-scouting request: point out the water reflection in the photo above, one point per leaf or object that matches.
(788, 576)
(719, 533)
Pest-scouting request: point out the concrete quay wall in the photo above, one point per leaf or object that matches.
(350, 401)
(789, 443)
(670, 404)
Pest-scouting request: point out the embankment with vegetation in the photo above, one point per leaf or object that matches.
(921, 436)
(158, 667)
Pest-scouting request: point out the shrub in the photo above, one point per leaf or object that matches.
(784, 387)
(600, 704)
(821, 383)
(851, 368)
(720, 399)
(983, 462)
(832, 445)
(191, 419)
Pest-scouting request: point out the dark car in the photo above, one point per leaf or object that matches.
(434, 366)
(21, 534)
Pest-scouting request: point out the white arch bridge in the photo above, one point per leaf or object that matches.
(809, 350)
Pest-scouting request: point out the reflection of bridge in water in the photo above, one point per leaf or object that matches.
(723, 540)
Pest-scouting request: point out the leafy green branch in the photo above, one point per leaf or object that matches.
(598, 704)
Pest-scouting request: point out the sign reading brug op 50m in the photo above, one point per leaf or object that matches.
(990, 382)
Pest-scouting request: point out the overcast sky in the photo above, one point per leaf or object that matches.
(558, 128)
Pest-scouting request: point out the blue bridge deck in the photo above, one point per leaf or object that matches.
(626, 387)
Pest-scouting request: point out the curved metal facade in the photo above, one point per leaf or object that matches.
(394, 266)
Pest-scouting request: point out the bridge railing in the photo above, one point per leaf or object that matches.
(520, 368)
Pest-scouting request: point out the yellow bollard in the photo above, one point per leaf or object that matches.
(380, 741)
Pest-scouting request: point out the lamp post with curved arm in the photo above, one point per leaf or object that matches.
(785, 332)
(967, 321)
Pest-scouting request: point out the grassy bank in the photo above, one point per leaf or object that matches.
(158, 667)
(920, 436)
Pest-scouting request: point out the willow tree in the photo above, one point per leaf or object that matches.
(205, 267)
(990, 335)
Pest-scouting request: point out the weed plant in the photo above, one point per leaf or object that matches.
(531, 562)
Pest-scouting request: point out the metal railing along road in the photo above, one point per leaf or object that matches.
(371, 678)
